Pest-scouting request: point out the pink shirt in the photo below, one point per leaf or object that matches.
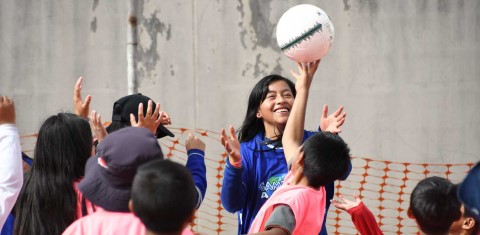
(89, 206)
(307, 204)
(109, 223)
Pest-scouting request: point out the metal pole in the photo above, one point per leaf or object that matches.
(132, 42)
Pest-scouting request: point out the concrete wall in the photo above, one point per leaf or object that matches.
(406, 71)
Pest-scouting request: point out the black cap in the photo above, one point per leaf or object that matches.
(123, 107)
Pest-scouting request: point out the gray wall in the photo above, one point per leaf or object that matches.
(406, 71)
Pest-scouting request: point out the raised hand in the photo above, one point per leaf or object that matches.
(165, 118)
(232, 146)
(81, 107)
(347, 205)
(7, 110)
(96, 124)
(334, 121)
(193, 142)
(149, 120)
(305, 76)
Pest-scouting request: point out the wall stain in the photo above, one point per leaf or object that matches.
(278, 69)
(372, 6)
(259, 69)
(95, 4)
(93, 25)
(149, 56)
(261, 23)
(443, 6)
(346, 6)
(259, 30)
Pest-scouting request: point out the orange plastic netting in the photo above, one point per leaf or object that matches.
(384, 186)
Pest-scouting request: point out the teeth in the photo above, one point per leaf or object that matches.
(281, 110)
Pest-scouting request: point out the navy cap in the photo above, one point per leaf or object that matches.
(468, 191)
(109, 174)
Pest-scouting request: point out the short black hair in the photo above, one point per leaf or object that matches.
(326, 159)
(163, 196)
(434, 205)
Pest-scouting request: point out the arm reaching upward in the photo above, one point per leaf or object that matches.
(81, 107)
(293, 134)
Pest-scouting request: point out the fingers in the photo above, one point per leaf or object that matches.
(140, 112)
(232, 133)
(223, 137)
(149, 108)
(325, 111)
(133, 122)
(357, 197)
(86, 104)
(77, 89)
(338, 112)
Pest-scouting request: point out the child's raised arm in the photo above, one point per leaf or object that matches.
(293, 134)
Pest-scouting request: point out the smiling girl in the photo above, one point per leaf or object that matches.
(254, 172)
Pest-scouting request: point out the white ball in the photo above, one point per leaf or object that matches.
(305, 33)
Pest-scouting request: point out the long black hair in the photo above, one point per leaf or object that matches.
(47, 203)
(251, 124)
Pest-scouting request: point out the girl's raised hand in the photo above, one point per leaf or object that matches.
(334, 121)
(232, 146)
(305, 76)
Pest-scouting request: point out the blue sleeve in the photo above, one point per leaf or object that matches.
(196, 166)
(233, 188)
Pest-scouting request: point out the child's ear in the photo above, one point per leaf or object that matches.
(301, 158)
(468, 223)
(410, 214)
(130, 205)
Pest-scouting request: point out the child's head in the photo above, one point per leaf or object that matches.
(466, 225)
(127, 105)
(109, 174)
(434, 205)
(163, 196)
(261, 106)
(64, 142)
(325, 157)
(469, 194)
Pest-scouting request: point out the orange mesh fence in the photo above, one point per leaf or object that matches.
(384, 186)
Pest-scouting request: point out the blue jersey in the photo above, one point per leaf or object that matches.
(263, 169)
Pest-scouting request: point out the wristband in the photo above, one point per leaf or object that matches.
(235, 164)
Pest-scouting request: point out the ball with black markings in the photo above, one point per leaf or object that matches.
(305, 33)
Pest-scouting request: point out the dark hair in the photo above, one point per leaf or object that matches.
(251, 124)
(163, 196)
(434, 205)
(48, 201)
(326, 158)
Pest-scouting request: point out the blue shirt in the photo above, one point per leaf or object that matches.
(246, 189)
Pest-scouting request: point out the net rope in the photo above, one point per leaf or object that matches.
(384, 186)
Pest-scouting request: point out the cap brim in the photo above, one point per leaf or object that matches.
(97, 191)
(162, 132)
(468, 191)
